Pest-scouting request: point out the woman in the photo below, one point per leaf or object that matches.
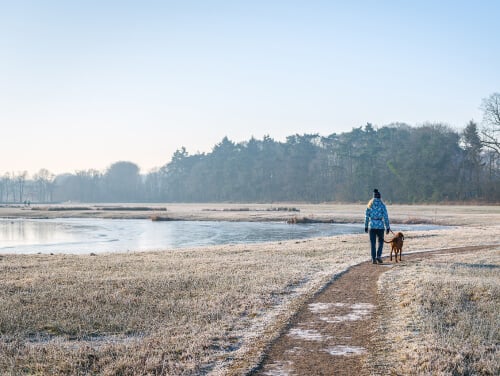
(377, 219)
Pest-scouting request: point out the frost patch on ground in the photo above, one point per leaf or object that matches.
(365, 307)
(336, 319)
(321, 307)
(307, 334)
(359, 311)
(342, 350)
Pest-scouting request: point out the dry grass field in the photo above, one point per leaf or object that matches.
(442, 316)
(210, 310)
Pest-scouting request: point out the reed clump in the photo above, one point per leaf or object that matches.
(63, 208)
(129, 208)
(305, 220)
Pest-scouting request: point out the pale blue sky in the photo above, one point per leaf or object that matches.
(84, 84)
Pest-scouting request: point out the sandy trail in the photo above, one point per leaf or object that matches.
(335, 332)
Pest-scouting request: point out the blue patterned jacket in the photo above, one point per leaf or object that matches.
(376, 214)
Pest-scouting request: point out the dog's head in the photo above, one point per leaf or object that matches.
(400, 235)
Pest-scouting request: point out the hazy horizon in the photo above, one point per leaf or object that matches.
(84, 85)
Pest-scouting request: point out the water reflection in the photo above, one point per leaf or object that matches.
(85, 235)
(21, 232)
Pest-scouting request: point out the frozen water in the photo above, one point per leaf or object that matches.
(85, 235)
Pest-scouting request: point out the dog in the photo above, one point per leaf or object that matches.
(396, 245)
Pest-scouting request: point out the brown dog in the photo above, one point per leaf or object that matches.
(396, 245)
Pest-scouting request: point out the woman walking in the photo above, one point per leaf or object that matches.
(376, 219)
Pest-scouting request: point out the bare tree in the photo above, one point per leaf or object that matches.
(491, 122)
(43, 182)
(8, 186)
(3, 187)
(21, 180)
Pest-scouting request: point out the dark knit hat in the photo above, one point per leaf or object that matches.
(376, 193)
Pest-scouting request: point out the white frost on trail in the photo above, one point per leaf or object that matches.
(342, 350)
(363, 306)
(335, 319)
(359, 311)
(307, 334)
(321, 307)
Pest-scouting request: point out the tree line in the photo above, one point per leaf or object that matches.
(428, 163)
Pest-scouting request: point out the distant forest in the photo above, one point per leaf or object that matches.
(428, 163)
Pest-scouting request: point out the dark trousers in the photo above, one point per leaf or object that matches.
(374, 234)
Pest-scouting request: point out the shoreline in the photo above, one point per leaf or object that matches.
(463, 215)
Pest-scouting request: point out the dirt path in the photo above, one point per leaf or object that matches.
(334, 333)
